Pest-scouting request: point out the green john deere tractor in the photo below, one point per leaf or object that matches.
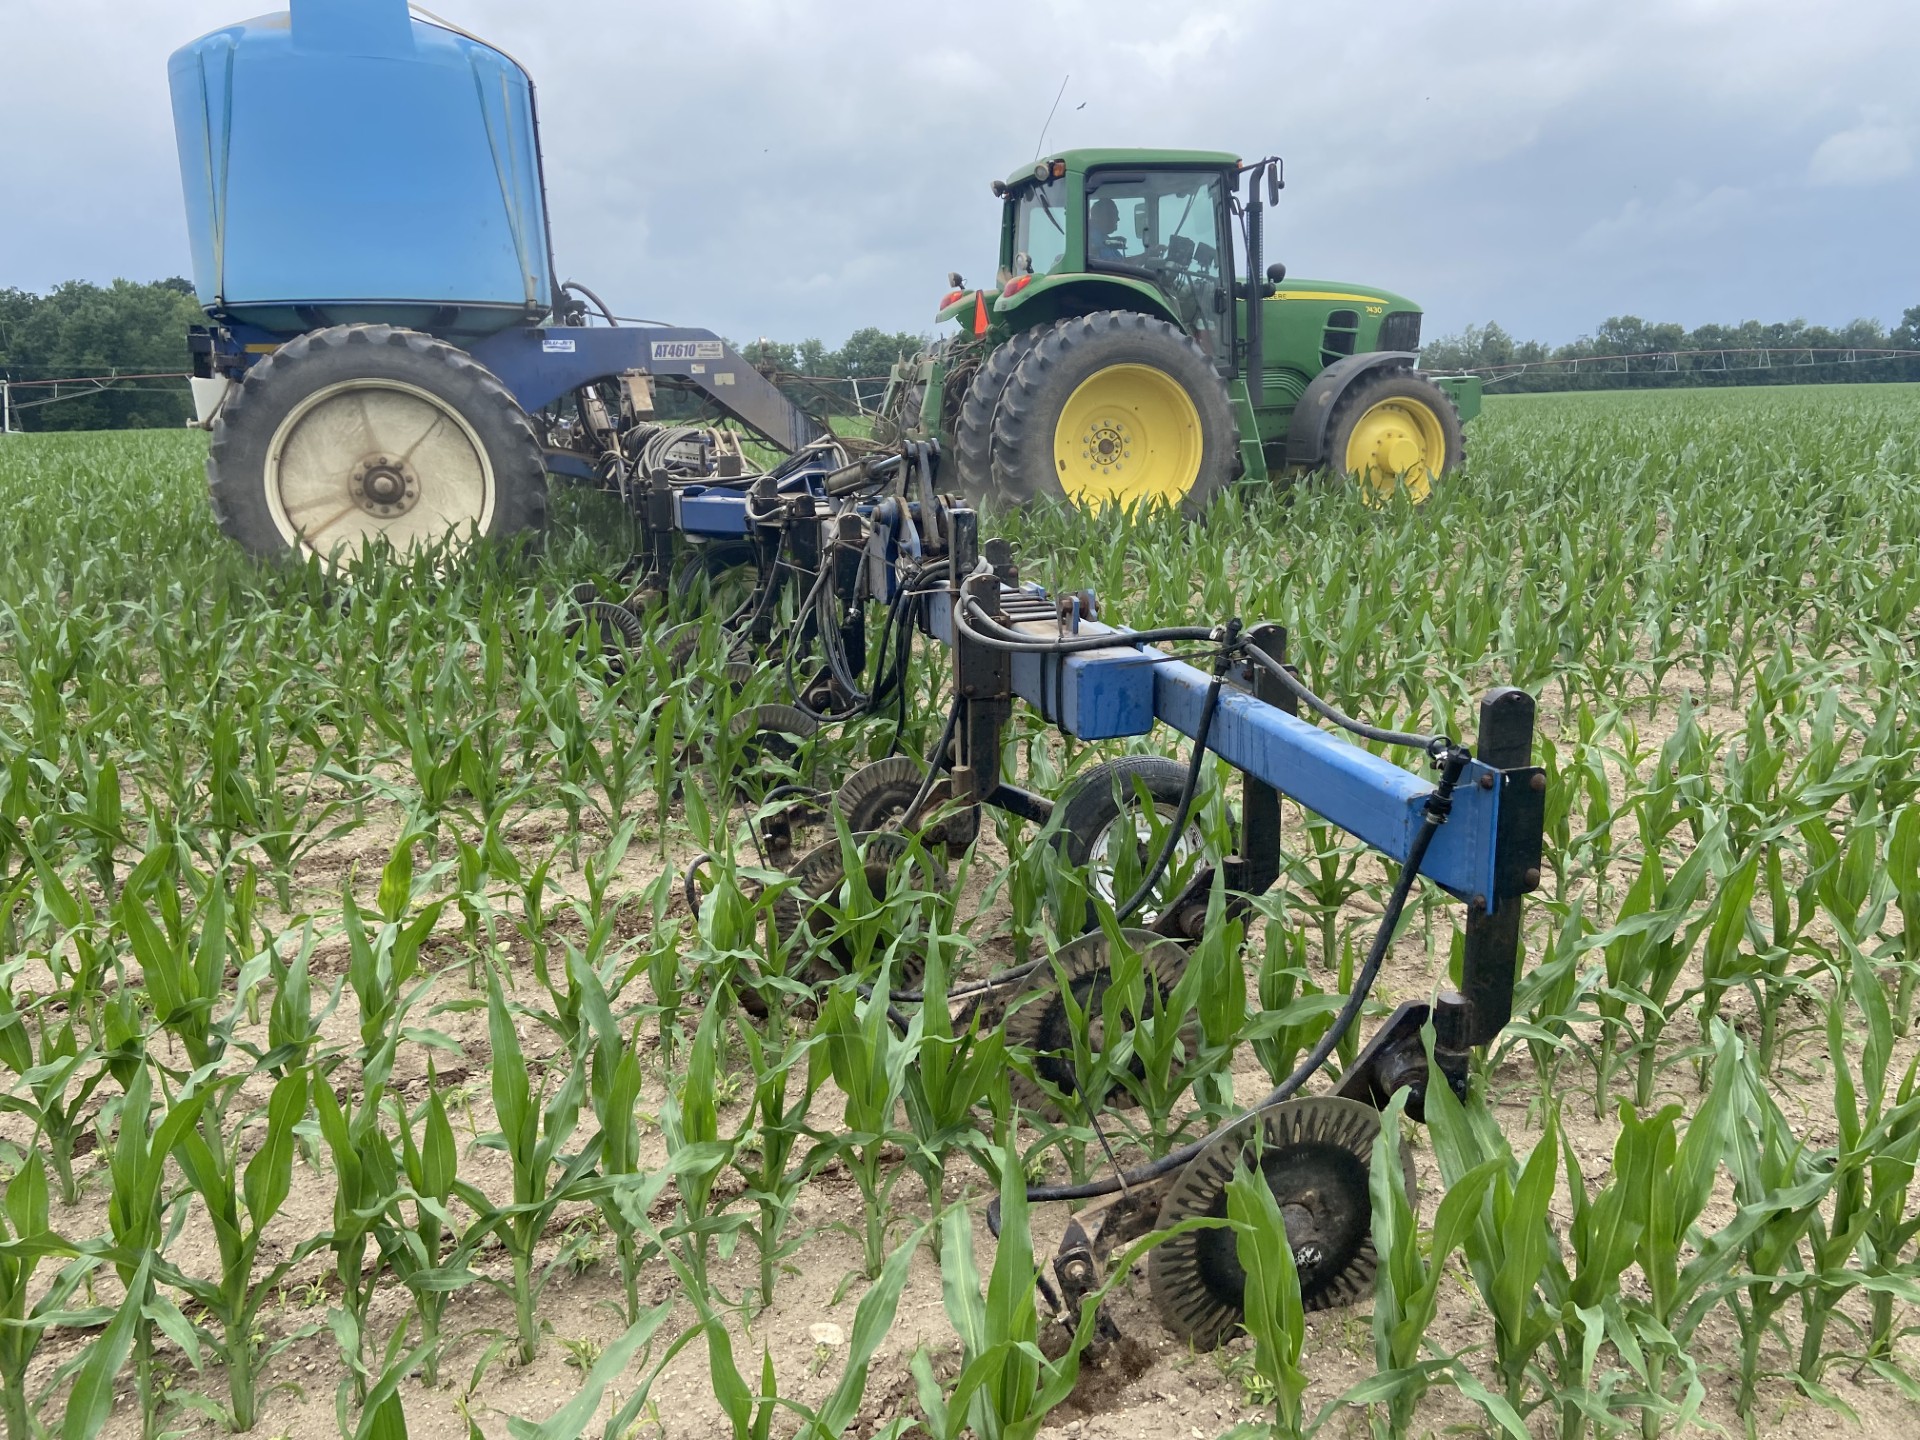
(1112, 360)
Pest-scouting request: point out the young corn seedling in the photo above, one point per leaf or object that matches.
(27, 1308)
(1879, 1137)
(785, 1080)
(1006, 1385)
(1406, 1295)
(615, 1096)
(951, 1074)
(1510, 1245)
(420, 1257)
(366, 1182)
(868, 1061)
(240, 1202)
(136, 1218)
(531, 1135)
(59, 1081)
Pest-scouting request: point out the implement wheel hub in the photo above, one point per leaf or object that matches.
(385, 486)
(1398, 441)
(1127, 433)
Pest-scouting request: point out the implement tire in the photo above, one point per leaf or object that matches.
(1114, 407)
(346, 436)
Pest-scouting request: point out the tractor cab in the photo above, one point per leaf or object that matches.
(1153, 227)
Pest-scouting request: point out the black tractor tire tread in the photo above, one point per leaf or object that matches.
(1066, 354)
(973, 433)
(244, 430)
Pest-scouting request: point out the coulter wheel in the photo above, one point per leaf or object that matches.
(1315, 1155)
(608, 634)
(877, 796)
(821, 873)
(1038, 1021)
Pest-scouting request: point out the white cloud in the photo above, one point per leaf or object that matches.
(1685, 213)
(1865, 155)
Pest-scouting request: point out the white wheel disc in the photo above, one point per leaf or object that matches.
(369, 458)
(1104, 854)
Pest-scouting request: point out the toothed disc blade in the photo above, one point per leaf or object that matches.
(1315, 1154)
(822, 871)
(1037, 1017)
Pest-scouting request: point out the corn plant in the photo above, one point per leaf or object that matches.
(1407, 1284)
(951, 1074)
(531, 1135)
(868, 1062)
(1006, 1385)
(785, 1081)
(27, 1309)
(241, 1202)
(420, 1253)
(137, 1208)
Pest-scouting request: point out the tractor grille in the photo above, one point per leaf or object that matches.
(1400, 331)
(1342, 336)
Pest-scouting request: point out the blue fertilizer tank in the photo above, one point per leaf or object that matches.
(347, 162)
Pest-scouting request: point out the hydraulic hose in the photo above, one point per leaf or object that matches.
(1434, 745)
(1200, 733)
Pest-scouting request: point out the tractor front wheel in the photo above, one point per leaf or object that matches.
(1114, 408)
(1393, 429)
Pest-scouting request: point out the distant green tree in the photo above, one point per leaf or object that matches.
(1906, 335)
(84, 329)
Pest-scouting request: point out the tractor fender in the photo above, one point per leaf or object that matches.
(1052, 296)
(1307, 433)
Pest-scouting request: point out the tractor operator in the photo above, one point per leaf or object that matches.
(1103, 218)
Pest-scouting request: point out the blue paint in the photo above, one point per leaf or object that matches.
(345, 162)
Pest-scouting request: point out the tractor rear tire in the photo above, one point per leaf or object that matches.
(346, 436)
(1395, 428)
(1115, 407)
(973, 432)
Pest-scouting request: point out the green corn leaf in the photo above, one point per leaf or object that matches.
(570, 1420)
(269, 1176)
(91, 1400)
(871, 1322)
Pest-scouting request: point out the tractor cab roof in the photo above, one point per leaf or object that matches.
(1080, 161)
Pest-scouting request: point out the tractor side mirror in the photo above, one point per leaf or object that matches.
(1276, 272)
(1276, 182)
(954, 281)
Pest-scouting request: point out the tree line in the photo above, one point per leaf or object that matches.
(79, 328)
(1674, 355)
(84, 329)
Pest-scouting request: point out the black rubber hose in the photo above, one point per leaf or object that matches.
(1185, 808)
(1439, 803)
(983, 628)
(1434, 745)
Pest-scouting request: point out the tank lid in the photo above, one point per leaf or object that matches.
(353, 27)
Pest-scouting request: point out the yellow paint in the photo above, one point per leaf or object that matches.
(1397, 442)
(262, 349)
(1328, 295)
(1127, 433)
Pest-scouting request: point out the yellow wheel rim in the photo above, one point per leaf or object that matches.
(1397, 442)
(1129, 433)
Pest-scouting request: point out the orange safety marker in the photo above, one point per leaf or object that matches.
(979, 312)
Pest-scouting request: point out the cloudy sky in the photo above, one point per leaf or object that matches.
(796, 169)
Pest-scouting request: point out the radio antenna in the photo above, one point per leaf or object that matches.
(1056, 105)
